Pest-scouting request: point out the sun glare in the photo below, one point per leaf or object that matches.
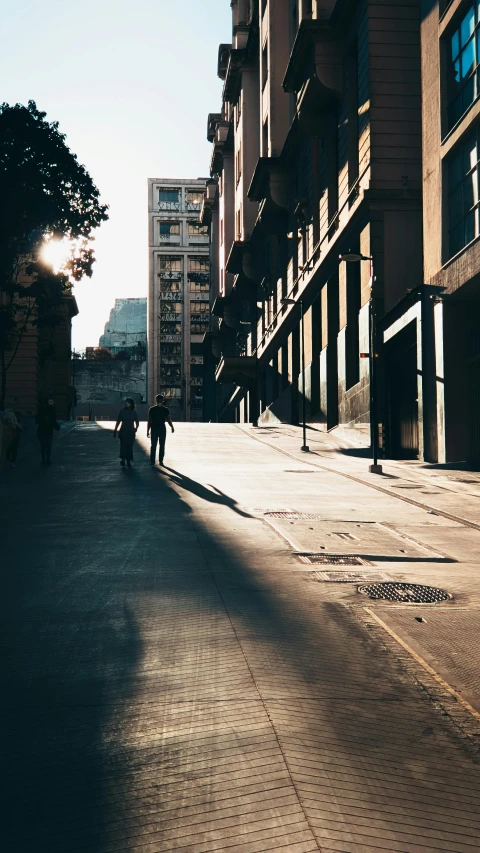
(55, 253)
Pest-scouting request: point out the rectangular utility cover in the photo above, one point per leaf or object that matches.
(351, 577)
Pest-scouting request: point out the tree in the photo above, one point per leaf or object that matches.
(45, 194)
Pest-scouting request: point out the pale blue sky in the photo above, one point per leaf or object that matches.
(131, 84)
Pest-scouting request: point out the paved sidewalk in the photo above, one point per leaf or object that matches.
(177, 680)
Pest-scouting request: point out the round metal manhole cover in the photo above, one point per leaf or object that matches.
(407, 593)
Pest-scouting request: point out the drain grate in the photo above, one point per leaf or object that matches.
(332, 560)
(407, 593)
(298, 471)
(292, 516)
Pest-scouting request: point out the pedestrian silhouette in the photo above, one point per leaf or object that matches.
(158, 417)
(46, 421)
(128, 422)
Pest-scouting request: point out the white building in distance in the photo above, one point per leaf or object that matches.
(126, 327)
(178, 294)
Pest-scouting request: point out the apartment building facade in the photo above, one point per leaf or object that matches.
(178, 303)
(317, 153)
(450, 34)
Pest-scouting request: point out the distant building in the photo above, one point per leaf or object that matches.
(126, 328)
(178, 294)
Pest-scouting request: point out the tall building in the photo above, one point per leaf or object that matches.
(450, 37)
(317, 153)
(178, 294)
(126, 328)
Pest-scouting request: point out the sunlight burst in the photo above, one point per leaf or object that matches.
(56, 253)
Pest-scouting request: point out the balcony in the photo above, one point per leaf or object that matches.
(239, 370)
(314, 73)
(269, 187)
(233, 77)
(224, 51)
(222, 142)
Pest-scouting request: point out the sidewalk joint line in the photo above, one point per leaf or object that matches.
(260, 697)
(378, 488)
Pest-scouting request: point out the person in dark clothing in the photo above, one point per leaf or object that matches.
(46, 421)
(128, 422)
(158, 417)
(10, 419)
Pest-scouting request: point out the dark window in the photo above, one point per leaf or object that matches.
(196, 349)
(196, 370)
(463, 60)
(463, 194)
(168, 198)
(352, 331)
(169, 229)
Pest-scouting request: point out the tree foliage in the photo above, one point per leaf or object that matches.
(44, 193)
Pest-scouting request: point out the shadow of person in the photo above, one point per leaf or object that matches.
(211, 494)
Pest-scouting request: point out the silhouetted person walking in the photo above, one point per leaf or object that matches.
(128, 422)
(46, 421)
(158, 417)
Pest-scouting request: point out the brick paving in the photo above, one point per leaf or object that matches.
(174, 680)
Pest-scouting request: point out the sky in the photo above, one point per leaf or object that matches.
(131, 84)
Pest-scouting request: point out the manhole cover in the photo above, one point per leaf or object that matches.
(293, 516)
(350, 577)
(405, 592)
(406, 486)
(332, 559)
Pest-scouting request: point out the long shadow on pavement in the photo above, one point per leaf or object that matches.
(114, 597)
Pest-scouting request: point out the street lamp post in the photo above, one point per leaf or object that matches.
(305, 448)
(352, 257)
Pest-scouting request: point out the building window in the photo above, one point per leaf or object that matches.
(168, 199)
(170, 309)
(352, 332)
(199, 307)
(197, 230)
(264, 68)
(167, 328)
(201, 286)
(198, 327)
(173, 352)
(170, 373)
(172, 392)
(463, 60)
(238, 162)
(169, 229)
(463, 195)
(170, 263)
(194, 199)
(198, 264)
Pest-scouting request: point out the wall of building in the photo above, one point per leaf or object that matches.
(108, 382)
(126, 326)
(340, 171)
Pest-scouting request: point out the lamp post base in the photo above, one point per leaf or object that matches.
(305, 448)
(375, 469)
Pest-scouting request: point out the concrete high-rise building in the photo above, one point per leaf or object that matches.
(178, 294)
(126, 328)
